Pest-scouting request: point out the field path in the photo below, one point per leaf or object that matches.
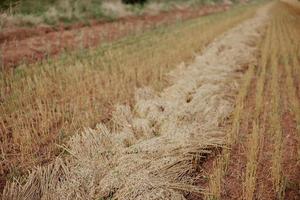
(158, 149)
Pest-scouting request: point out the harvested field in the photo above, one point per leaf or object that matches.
(55, 99)
(223, 124)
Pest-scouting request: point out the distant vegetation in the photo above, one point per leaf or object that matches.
(134, 1)
(33, 12)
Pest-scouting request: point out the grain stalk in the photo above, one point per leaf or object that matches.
(275, 117)
(220, 165)
(252, 162)
(253, 144)
(291, 66)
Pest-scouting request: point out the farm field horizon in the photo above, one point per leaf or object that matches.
(150, 100)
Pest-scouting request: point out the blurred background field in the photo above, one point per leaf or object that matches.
(51, 12)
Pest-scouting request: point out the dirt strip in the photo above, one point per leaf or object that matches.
(34, 44)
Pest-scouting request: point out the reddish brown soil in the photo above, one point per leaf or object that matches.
(290, 170)
(232, 187)
(291, 165)
(34, 44)
(204, 169)
(233, 181)
(264, 188)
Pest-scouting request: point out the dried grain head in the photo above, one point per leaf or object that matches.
(41, 183)
(145, 93)
(122, 116)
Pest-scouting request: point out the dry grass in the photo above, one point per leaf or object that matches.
(53, 100)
